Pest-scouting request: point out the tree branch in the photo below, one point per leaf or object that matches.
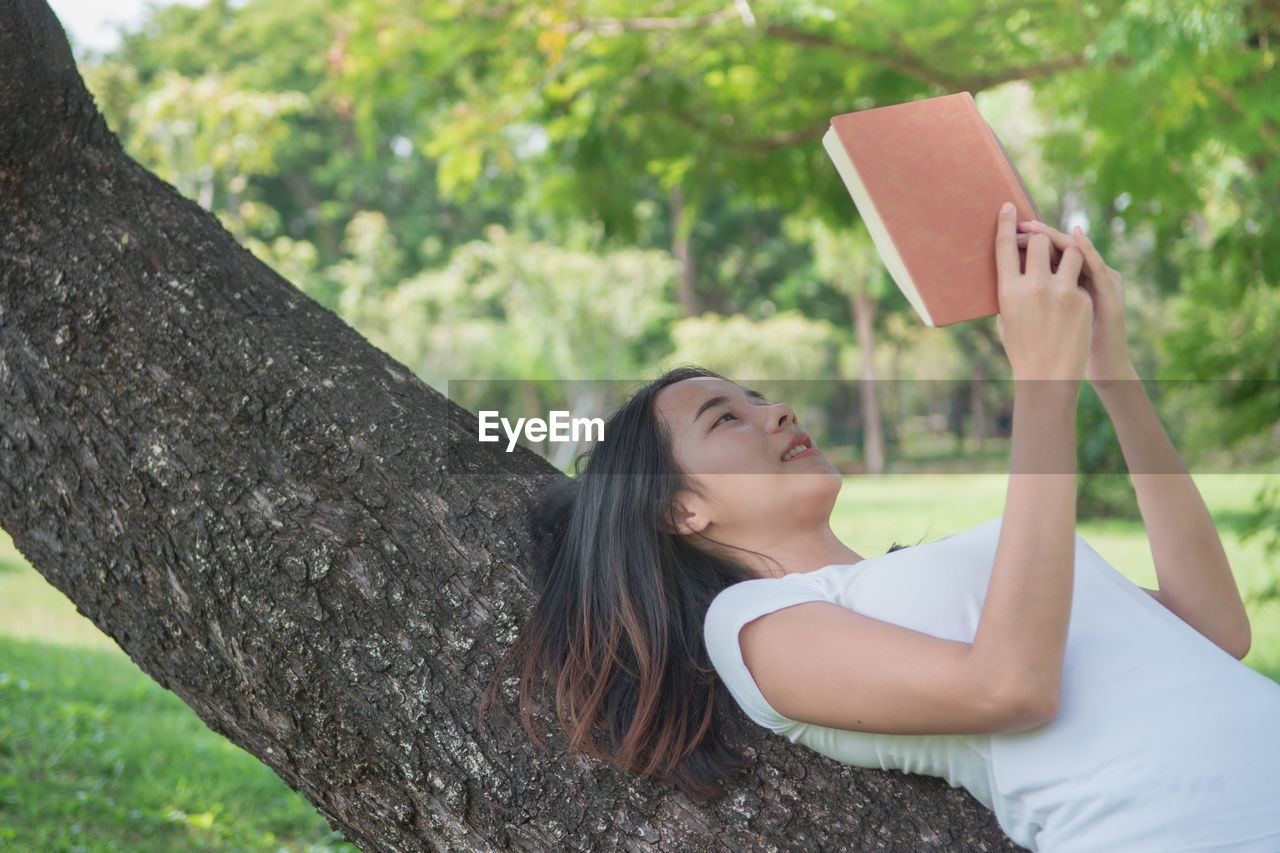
(908, 65)
(913, 66)
(753, 145)
(1036, 71)
(616, 26)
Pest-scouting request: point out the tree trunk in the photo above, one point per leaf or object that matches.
(978, 403)
(981, 344)
(864, 317)
(283, 526)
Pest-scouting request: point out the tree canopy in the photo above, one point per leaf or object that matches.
(692, 129)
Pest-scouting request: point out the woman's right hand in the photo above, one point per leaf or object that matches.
(1046, 318)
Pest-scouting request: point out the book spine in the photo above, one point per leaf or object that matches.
(880, 235)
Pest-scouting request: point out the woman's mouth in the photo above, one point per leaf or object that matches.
(800, 449)
(795, 451)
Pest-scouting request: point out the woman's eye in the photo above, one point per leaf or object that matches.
(722, 418)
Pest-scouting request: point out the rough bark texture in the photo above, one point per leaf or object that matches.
(287, 529)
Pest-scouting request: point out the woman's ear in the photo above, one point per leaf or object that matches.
(688, 514)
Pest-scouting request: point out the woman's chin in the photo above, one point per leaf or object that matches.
(813, 495)
(806, 464)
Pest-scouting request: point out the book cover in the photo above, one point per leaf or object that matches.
(928, 178)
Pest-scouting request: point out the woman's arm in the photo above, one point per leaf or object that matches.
(1195, 580)
(824, 664)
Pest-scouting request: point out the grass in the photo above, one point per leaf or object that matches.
(94, 756)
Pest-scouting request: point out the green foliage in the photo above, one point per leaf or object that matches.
(787, 357)
(1234, 351)
(506, 307)
(785, 346)
(1174, 129)
(646, 124)
(317, 170)
(208, 138)
(1264, 521)
(746, 261)
(844, 257)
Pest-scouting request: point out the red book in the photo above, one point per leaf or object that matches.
(928, 178)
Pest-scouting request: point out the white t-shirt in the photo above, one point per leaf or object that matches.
(1162, 742)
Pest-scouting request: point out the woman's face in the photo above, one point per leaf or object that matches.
(752, 467)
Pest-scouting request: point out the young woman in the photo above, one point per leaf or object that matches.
(1010, 659)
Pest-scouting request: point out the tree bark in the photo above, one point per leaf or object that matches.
(283, 526)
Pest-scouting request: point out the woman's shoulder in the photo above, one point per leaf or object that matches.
(747, 600)
(750, 599)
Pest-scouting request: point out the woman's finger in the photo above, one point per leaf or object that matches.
(1098, 269)
(1038, 253)
(1007, 264)
(1060, 239)
(1070, 265)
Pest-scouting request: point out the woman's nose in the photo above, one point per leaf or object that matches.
(781, 415)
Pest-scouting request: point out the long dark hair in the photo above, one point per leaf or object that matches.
(616, 636)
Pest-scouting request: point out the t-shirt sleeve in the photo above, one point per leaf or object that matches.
(729, 612)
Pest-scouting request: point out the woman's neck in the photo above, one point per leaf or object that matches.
(802, 550)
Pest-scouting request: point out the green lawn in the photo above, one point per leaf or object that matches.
(94, 756)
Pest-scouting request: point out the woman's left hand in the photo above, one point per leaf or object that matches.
(1109, 359)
